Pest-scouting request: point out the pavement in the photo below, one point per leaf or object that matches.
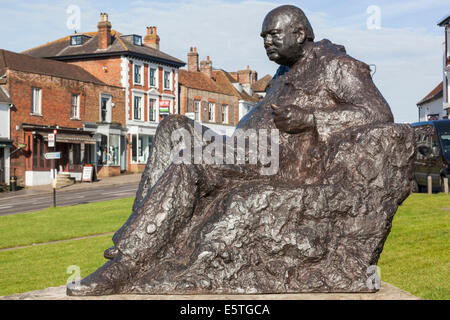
(47, 189)
(386, 292)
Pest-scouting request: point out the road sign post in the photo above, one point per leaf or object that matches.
(53, 156)
(51, 140)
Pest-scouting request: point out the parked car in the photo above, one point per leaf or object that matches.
(433, 154)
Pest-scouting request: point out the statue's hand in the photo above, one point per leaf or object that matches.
(290, 119)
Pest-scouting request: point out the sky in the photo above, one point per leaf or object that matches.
(400, 37)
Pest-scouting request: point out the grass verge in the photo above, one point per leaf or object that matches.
(416, 256)
(62, 223)
(46, 266)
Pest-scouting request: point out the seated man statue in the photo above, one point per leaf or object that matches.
(316, 224)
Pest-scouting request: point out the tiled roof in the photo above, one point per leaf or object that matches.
(61, 49)
(222, 82)
(22, 62)
(261, 84)
(434, 94)
(198, 80)
(225, 81)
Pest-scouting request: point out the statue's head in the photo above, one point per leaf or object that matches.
(285, 31)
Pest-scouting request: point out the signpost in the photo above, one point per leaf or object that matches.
(51, 140)
(53, 156)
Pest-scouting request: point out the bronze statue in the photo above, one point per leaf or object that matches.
(317, 224)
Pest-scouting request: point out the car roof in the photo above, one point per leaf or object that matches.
(431, 122)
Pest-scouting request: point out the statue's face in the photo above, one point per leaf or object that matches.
(282, 40)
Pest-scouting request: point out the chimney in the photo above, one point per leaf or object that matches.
(152, 39)
(254, 76)
(193, 59)
(206, 67)
(245, 76)
(104, 31)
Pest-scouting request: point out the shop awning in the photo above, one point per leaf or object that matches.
(5, 143)
(71, 138)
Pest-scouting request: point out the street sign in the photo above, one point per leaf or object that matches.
(190, 115)
(51, 140)
(164, 106)
(53, 155)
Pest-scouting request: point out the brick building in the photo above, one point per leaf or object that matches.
(215, 98)
(148, 75)
(47, 95)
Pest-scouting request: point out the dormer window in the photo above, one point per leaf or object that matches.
(76, 40)
(137, 40)
(79, 39)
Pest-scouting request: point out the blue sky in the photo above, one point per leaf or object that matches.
(407, 48)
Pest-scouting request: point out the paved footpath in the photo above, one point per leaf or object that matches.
(47, 189)
(387, 292)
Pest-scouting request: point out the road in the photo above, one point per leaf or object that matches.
(66, 198)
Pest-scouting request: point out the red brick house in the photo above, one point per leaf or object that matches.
(48, 95)
(148, 75)
(215, 97)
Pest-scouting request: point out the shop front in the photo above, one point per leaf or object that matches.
(74, 146)
(109, 153)
(139, 147)
(5, 146)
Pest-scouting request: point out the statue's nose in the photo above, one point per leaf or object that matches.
(267, 40)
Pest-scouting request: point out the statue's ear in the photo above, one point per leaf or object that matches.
(301, 35)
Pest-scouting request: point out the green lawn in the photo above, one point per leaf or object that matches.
(63, 222)
(46, 266)
(415, 258)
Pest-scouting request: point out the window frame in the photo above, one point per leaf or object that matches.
(108, 114)
(79, 40)
(33, 101)
(155, 107)
(141, 107)
(213, 118)
(137, 37)
(165, 71)
(225, 120)
(199, 110)
(77, 115)
(141, 73)
(155, 77)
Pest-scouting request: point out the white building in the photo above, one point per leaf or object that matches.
(5, 139)
(436, 104)
(431, 106)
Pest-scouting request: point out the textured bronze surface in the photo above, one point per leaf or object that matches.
(317, 225)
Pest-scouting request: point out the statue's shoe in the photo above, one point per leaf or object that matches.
(111, 278)
(110, 253)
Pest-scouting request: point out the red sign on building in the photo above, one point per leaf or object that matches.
(164, 106)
